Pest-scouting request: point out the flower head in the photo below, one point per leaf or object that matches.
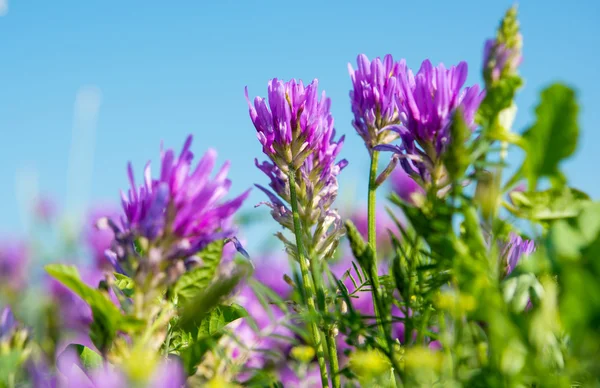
(503, 55)
(292, 122)
(373, 97)
(514, 249)
(428, 102)
(498, 59)
(296, 130)
(178, 213)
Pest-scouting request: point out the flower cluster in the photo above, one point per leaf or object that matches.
(296, 130)
(428, 101)
(174, 216)
(502, 55)
(374, 99)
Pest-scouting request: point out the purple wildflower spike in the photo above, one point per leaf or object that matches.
(178, 213)
(373, 97)
(295, 128)
(428, 102)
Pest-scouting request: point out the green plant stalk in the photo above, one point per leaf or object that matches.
(334, 366)
(372, 239)
(307, 282)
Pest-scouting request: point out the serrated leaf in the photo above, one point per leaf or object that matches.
(553, 137)
(208, 332)
(196, 280)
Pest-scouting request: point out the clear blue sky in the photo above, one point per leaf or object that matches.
(166, 70)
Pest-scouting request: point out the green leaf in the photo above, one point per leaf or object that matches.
(553, 137)
(90, 360)
(197, 308)
(196, 280)
(208, 333)
(552, 204)
(107, 316)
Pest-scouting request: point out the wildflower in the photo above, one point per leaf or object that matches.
(428, 101)
(514, 249)
(498, 59)
(99, 240)
(374, 99)
(296, 130)
(176, 215)
(503, 54)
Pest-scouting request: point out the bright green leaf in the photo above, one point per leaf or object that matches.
(553, 137)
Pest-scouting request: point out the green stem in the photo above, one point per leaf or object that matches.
(307, 282)
(372, 239)
(333, 360)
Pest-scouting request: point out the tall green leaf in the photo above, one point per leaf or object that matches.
(553, 137)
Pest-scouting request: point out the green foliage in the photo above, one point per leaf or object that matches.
(456, 158)
(196, 280)
(547, 205)
(204, 337)
(553, 137)
(89, 359)
(107, 317)
(197, 308)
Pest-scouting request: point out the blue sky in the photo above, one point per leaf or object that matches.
(164, 71)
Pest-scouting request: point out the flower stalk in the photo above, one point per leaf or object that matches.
(307, 281)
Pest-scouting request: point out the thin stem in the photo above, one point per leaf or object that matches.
(333, 359)
(372, 238)
(307, 282)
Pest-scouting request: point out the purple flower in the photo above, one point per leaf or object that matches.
(428, 102)
(294, 122)
(374, 99)
(14, 256)
(499, 58)
(311, 377)
(296, 130)
(99, 240)
(514, 249)
(7, 322)
(181, 211)
(405, 187)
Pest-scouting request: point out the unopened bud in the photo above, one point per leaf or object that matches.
(343, 307)
(289, 280)
(388, 170)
